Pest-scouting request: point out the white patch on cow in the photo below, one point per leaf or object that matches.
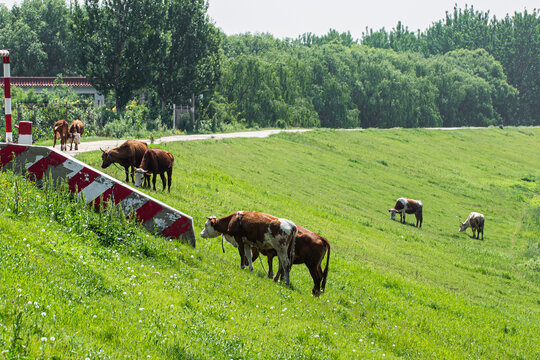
(139, 176)
(77, 138)
(230, 239)
(209, 231)
(286, 226)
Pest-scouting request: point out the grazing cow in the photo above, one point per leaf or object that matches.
(309, 249)
(76, 129)
(252, 228)
(407, 206)
(61, 132)
(476, 222)
(155, 161)
(129, 154)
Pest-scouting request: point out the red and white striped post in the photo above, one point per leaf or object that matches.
(4, 54)
(25, 132)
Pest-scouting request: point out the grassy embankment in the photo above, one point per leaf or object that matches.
(393, 290)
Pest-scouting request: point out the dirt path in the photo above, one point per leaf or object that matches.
(109, 144)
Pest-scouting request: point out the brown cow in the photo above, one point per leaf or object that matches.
(476, 222)
(129, 154)
(76, 129)
(309, 249)
(61, 132)
(252, 228)
(155, 161)
(407, 206)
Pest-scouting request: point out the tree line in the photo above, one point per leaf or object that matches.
(465, 70)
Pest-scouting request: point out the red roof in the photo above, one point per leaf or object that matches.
(32, 81)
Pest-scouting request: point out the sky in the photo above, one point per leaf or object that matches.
(291, 18)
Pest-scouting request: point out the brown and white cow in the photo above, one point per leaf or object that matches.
(76, 129)
(155, 161)
(252, 228)
(309, 249)
(407, 206)
(61, 132)
(129, 154)
(476, 222)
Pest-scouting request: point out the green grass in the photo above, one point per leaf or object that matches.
(394, 291)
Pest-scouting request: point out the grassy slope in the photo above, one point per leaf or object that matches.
(392, 289)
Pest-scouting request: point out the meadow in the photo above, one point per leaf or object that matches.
(79, 284)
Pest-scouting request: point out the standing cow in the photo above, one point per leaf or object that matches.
(155, 161)
(61, 132)
(76, 129)
(407, 206)
(309, 249)
(129, 154)
(476, 222)
(263, 231)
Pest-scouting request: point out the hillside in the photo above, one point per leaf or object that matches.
(76, 284)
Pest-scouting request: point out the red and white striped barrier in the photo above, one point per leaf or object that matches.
(41, 162)
(4, 54)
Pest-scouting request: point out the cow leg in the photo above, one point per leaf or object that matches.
(164, 181)
(247, 251)
(169, 177)
(284, 265)
(279, 274)
(316, 274)
(270, 266)
(473, 233)
(126, 168)
(54, 143)
(154, 177)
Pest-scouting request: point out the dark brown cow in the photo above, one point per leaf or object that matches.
(61, 132)
(155, 161)
(252, 228)
(76, 129)
(129, 154)
(309, 249)
(407, 206)
(476, 222)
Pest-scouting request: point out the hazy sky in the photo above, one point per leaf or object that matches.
(290, 18)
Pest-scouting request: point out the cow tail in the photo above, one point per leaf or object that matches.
(291, 247)
(325, 272)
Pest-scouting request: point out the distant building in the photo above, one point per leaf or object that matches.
(79, 85)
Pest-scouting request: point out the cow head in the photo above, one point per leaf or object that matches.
(209, 230)
(139, 176)
(105, 158)
(463, 226)
(392, 213)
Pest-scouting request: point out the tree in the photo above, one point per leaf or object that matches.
(117, 41)
(188, 54)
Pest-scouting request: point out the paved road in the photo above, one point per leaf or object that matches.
(109, 144)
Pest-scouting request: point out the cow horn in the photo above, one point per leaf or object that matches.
(102, 150)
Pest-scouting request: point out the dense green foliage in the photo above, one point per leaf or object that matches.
(266, 82)
(393, 289)
(513, 41)
(468, 69)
